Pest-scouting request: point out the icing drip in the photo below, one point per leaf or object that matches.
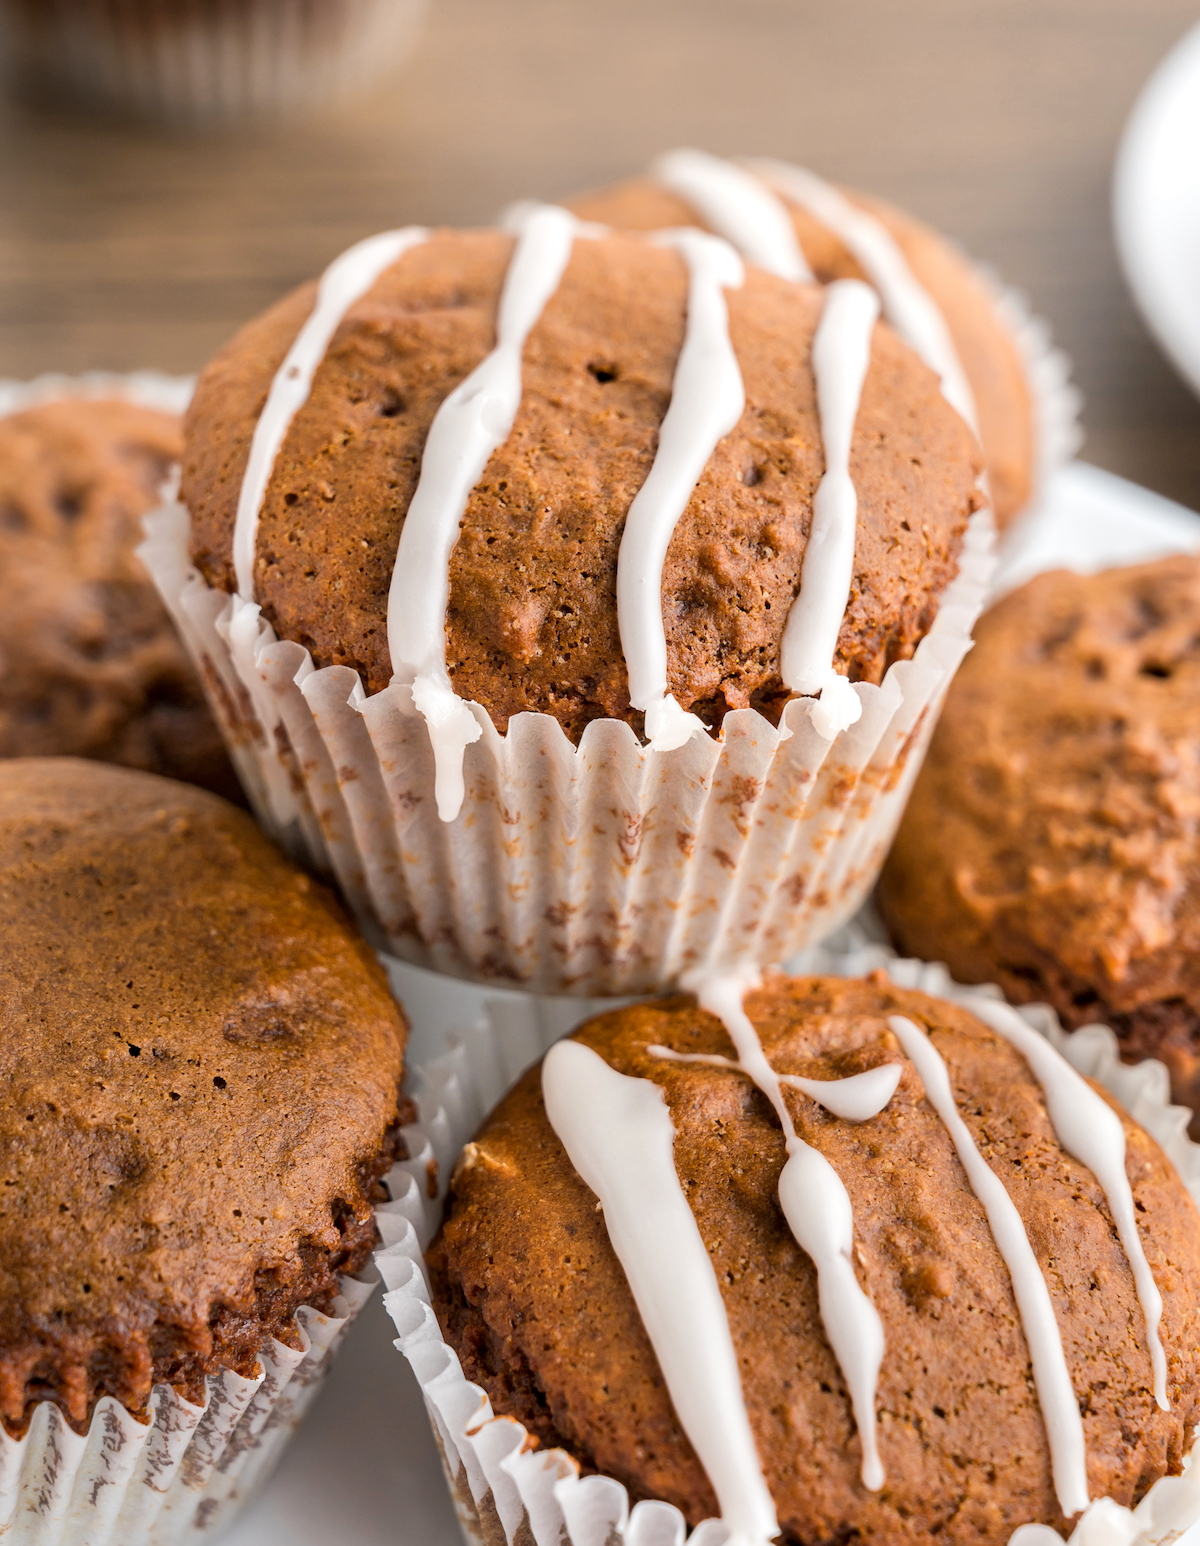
(345, 281)
(856, 1099)
(841, 355)
(476, 418)
(618, 1135)
(817, 1208)
(1060, 1409)
(907, 305)
(1090, 1131)
(736, 205)
(707, 399)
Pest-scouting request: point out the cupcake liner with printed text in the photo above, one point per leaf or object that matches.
(183, 1471)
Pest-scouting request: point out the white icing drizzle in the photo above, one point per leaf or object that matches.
(841, 355)
(707, 399)
(736, 205)
(474, 419)
(618, 1135)
(1060, 1409)
(907, 305)
(1090, 1131)
(817, 1208)
(857, 1098)
(345, 281)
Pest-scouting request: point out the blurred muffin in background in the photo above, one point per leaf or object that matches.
(994, 364)
(90, 665)
(1052, 841)
(198, 61)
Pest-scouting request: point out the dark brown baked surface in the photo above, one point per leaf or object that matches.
(90, 665)
(532, 620)
(986, 348)
(201, 1064)
(1052, 842)
(529, 1292)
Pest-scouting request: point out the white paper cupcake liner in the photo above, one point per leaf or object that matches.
(606, 869)
(509, 1493)
(182, 1475)
(147, 388)
(1057, 433)
(200, 61)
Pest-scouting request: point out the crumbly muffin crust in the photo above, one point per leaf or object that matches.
(989, 355)
(90, 665)
(202, 1065)
(529, 1292)
(532, 621)
(1051, 843)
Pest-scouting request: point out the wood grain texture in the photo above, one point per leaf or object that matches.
(996, 120)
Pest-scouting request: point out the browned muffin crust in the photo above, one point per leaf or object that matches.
(989, 354)
(90, 665)
(532, 621)
(1051, 843)
(528, 1291)
(202, 1068)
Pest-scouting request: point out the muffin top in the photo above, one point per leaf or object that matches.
(1051, 840)
(986, 351)
(89, 663)
(529, 1289)
(202, 1064)
(532, 618)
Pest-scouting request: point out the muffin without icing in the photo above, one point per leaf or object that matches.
(529, 1292)
(202, 1064)
(532, 618)
(985, 346)
(1051, 842)
(90, 665)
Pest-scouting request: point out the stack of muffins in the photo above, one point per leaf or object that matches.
(579, 597)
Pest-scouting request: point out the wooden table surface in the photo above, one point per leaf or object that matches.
(996, 120)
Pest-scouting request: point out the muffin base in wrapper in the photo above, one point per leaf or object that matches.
(202, 61)
(600, 870)
(508, 1493)
(182, 1475)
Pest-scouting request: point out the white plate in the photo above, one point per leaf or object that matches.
(1156, 204)
(363, 1471)
(1089, 519)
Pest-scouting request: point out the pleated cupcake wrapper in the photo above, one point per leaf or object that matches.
(182, 1475)
(509, 1493)
(1056, 402)
(201, 61)
(146, 388)
(603, 869)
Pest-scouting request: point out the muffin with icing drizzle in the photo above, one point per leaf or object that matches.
(202, 1067)
(90, 665)
(1050, 844)
(829, 1258)
(559, 505)
(794, 223)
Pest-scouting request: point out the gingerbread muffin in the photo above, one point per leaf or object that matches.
(932, 293)
(1051, 844)
(532, 618)
(90, 665)
(202, 1064)
(669, 1255)
(483, 513)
